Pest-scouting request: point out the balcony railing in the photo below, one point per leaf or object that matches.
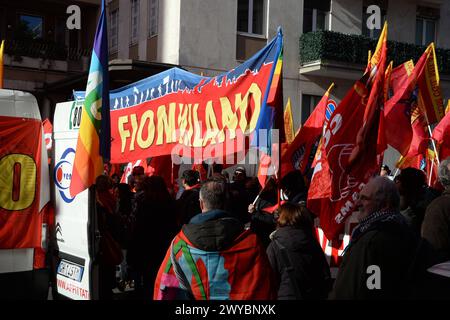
(44, 50)
(334, 46)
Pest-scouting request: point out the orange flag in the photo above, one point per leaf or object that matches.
(288, 122)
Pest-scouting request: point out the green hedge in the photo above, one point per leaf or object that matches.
(329, 45)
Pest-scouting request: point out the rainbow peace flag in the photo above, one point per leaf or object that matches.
(94, 136)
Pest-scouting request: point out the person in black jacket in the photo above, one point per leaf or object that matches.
(154, 227)
(263, 216)
(188, 205)
(375, 264)
(297, 257)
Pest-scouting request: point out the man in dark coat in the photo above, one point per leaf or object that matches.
(436, 233)
(188, 205)
(436, 224)
(382, 247)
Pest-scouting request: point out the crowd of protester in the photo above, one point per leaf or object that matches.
(225, 238)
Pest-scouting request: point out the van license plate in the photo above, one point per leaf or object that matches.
(70, 270)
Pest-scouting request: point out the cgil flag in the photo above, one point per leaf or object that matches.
(299, 154)
(94, 136)
(348, 156)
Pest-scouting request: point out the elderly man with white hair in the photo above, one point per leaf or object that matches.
(381, 248)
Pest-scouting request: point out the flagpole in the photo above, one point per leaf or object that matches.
(431, 173)
(396, 171)
(431, 136)
(434, 145)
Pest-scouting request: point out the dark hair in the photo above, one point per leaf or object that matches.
(155, 189)
(217, 168)
(293, 184)
(138, 170)
(412, 181)
(191, 177)
(297, 215)
(103, 183)
(125, 198)
(213, 194)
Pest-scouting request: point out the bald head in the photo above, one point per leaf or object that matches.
(380, 193)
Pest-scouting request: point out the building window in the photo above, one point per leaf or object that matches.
(114, 36)
(60, 30)
(250, 16)
(426, 22)
(316, 15)
(309, 102)
(153, 18)
(30, 27)
(134, 21)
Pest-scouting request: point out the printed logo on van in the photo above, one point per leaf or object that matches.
(62, 174)
(75, 114)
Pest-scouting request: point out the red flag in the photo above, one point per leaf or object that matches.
(349, 151)
(48, 129)
(115, 169)
(441, 133)
(363, 157)
(398, 109)
(263, 169)
(162, 166)
(430, 97)
(416, 154)
(129, 169)
(201, 170)
(300, 153)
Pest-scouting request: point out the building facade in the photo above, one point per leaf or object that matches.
(40, 49)
(211, 36)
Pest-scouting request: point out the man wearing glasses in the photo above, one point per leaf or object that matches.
(381, 249)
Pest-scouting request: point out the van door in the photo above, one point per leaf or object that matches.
(75, 223)
(24, 197)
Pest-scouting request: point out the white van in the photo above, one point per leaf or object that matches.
(24, 192)
(77, 238)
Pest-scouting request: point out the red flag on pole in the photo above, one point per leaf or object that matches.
(299, 154)
(349, 142)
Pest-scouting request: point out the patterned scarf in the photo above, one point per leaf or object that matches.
(373, 221)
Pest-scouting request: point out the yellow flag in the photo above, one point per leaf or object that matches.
(375, 57)
(1, 64)
(288, 122)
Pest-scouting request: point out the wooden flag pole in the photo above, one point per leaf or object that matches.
(434, 145)
(431, 173)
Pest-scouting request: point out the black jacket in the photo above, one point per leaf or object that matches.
(214, 230)
(311, 270)
(187, 206)
(390, 245)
